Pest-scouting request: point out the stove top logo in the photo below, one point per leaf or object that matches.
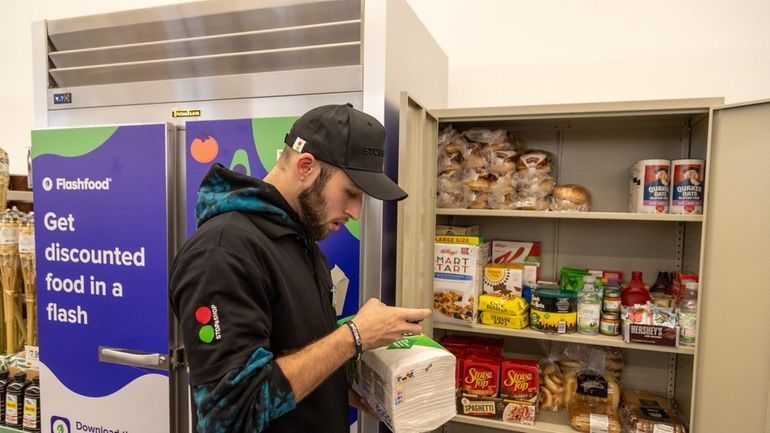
(77, 184)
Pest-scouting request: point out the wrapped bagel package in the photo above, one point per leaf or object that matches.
(409, 384)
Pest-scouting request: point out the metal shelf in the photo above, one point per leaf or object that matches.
(621, 216)
(597, 340)
(547, 422)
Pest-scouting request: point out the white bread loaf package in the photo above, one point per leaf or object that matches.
(409, 384)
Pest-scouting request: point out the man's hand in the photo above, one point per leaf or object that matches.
(359, 403)
(381, 325)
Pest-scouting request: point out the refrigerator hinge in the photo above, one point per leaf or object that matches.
(177, 358)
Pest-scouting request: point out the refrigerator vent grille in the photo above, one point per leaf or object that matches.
(203, 39)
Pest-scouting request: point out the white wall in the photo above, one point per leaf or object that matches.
(507, 52)
(517, 52)
(16, 18)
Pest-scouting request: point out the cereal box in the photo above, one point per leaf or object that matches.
(515, 252)
(527, 253)
(457, 281)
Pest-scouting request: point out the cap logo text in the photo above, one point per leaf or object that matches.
(373, 151)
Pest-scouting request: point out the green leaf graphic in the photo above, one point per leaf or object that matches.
(69, 142)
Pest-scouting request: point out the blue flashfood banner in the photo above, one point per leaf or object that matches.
(102, 251)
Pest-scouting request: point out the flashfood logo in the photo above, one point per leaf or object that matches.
(77, 184)
(60, 424)
(208, 318)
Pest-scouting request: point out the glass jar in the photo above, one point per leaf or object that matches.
(609, 324)
(611, 301)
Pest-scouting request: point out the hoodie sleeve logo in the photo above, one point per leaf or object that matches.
(208, 318)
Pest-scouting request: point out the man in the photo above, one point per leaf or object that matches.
(253, 292)
(661, 176)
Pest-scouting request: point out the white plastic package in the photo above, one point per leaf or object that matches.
(410, 384)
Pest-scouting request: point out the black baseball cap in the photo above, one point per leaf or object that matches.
(349, 139)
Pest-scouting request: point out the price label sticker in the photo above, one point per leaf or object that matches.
(32, 356)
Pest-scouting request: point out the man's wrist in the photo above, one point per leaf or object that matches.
(356, 338)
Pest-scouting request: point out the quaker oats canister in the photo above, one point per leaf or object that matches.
(649, 186)
(687, 191)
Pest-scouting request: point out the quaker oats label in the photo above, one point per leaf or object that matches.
(687, 191)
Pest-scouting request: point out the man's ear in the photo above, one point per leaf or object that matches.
(304, 165)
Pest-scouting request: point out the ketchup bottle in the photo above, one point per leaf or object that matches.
(635, 293)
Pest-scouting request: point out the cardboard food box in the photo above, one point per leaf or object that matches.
(457, 281)
(456, 230)
(519, 380)
(650, 334)
(459, 239)
(505, 279)
(510, 411)
(515, 252)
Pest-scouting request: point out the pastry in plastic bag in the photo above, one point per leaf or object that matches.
(449, 193)
(502, 161)
(586, 416)
(476, 200)
(571, 198)
(551, 393)
(451, 141)
(645, 412)
(534, 161)
(477, 180)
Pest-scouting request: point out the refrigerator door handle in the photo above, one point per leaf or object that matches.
(133, 358)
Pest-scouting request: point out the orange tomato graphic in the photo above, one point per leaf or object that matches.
(204, 150)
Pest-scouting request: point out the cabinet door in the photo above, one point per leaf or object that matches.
(418, 137)
(733, 357)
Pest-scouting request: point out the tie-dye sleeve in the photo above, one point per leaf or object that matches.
(245, 399)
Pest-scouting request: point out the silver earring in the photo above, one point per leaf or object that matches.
(302, 178)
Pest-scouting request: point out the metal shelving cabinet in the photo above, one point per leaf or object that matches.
(594, 145)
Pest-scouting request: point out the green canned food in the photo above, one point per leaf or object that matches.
(553, 310)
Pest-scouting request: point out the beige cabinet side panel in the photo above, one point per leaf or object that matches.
(733, 358)
(418, 135)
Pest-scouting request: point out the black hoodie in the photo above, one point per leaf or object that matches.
(247, 287)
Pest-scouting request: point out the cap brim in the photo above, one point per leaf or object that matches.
(376, 184)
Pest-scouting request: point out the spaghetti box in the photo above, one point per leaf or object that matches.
(651, 334)
(509, 411)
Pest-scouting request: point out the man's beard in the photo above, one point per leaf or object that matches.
(312, 208)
